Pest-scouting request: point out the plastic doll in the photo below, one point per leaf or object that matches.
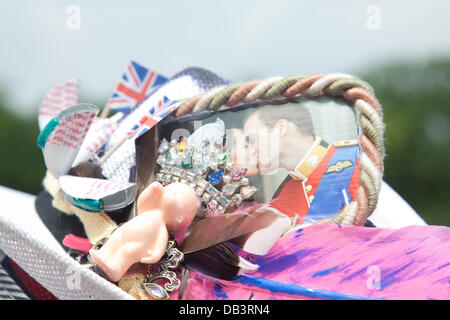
(160, 211)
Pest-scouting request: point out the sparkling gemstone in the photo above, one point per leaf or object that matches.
(164, 169)
(213, 165)
(237, 198)
(164, 146)
(222, 157)
(226, 179)
(186, 165)
(190, 175)
(229, 166)
(220, 209)
(213, 204)
(202, 183)
(161, 160)
(167, 178)
(247, 192)
(182, 145)
(159, 176)
(244, 181)
(197, 158)
(178, 172)
(173, 143)
(202, 169)
(237, 174)
(224, 201)
(183, 181)
(229, 189)
(199, 191)
(206, 197)
(215, 177)
(175, 179)
(213, 191)
(156, 291)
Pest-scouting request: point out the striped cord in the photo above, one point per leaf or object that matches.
(356, 92)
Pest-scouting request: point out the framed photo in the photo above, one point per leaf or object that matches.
(300, 155)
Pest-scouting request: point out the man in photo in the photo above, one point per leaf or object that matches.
(323, 177)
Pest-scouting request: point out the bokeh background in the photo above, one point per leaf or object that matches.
(401, 48)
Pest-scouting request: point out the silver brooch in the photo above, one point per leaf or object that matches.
(164, 270)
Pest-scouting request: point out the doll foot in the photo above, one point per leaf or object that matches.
(103, 268)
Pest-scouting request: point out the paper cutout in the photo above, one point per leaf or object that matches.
(65, 140)
(99, 133)
(57, 99)
(115, 195)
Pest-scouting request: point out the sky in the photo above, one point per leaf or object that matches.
(46, 42)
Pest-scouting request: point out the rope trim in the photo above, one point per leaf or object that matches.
(358, 94)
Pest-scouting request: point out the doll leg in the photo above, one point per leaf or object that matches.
(123, 259)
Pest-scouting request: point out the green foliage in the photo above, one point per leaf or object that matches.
(21, 163)
(416, 104)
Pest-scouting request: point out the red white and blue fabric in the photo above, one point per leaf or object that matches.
(154, 115)
(136, 84)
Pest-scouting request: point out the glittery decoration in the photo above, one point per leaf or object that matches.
(181, 146)
(222, 158)
(247, 192)
(164, 146)
(229, 189)
(237, 174)
(214, 178)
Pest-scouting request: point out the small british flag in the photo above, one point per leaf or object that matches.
(155, 114)
(136, 84)
(60, 97)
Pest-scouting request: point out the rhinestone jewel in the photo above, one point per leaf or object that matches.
(213, 165)
(247, 192)
(214, 178)
(229, 189)
(226, 179)
(222, 158)
(237, 198)
(187, 162)
(237, 174)
(161, 159)
(164, 146)
(181, 145)
(156, 291)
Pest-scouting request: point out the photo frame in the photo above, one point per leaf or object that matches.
(345, 140)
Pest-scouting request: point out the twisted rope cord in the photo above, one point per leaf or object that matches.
(358, 94)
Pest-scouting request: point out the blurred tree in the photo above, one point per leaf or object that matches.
(416, 104)
(21, 162)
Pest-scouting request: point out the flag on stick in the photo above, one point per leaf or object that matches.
(148, 121)
(136, 84)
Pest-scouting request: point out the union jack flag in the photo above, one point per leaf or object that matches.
(60, 97)
(155, 114)
(136, 84)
